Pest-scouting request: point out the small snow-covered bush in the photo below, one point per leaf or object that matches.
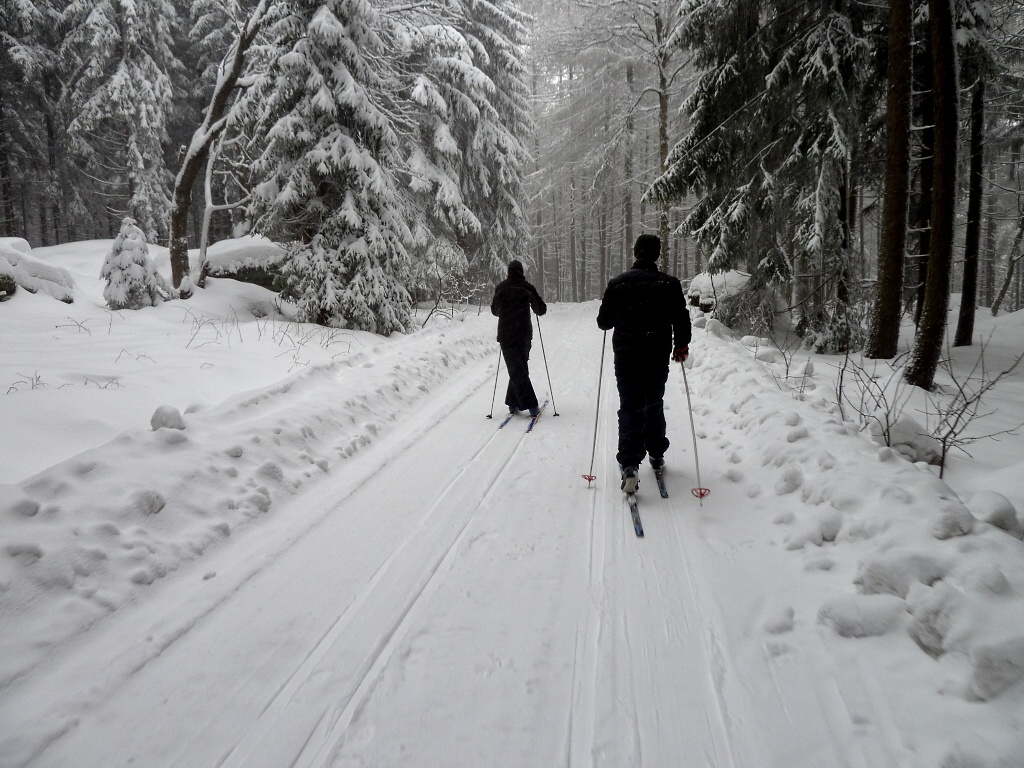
(904, 435)
(7, 287)
(132, 280)
(835, 327)
(748, 309)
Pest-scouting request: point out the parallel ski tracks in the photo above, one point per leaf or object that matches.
(329, 730)
(582, 722)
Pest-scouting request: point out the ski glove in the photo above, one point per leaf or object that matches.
(681, 354)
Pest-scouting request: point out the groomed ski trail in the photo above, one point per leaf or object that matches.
(466, 600)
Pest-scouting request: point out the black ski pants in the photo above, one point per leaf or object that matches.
(520, 394)
(641, 378)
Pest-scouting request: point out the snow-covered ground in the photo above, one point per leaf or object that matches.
(231, 540)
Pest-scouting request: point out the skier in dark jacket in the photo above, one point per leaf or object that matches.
(648, 311)
(511, 304)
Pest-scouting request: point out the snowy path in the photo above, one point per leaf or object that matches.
(465, 600)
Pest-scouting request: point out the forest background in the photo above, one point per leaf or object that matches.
(859, 161)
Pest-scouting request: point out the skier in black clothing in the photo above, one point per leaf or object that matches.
(511, 304)
(648, 312)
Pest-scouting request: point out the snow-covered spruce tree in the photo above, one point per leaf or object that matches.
(496, 155)
(463, 96)
(442, 96)
(330, 166)
(132, 279)
(119, 60)
(773, 119)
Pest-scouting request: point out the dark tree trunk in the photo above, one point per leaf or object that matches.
(925, 179)
(1011, 264)
(573, 265)
(988, 262)
(202, 140)
(969, 297)
(885, 321)
(540, 249)
(584, 292)
(931, 331)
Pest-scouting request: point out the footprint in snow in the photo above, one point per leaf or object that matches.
(797, 434)
(779, 620)
(791, 479)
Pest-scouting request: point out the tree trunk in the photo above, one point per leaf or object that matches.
(663, 223)
(931, 331)
(925, 179)
(988, 262)
(627, 170)
(556, 241)
(212, 126)
(573, 266)
(584, 289)
(602, 231)
(540, 249)
(885, 321)
(1011, 263)
(969, 291)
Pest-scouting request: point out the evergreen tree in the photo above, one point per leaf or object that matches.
(330, 167)
(773, 122)
(132, 279)
(118, 92)
(497, 154)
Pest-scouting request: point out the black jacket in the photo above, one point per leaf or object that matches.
(647, 309)
(511, 305)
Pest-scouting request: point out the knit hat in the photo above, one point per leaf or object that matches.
(647, 248)
(515, 267)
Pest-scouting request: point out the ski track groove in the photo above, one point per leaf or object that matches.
(386, 647)
(582, 717)
(713, 668)
(277, 704)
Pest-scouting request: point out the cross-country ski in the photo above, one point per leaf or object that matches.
(659, 478)
(634, 513)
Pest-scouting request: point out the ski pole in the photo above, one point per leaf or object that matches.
(494, 394)
(546, 370)
(700, 492)
(590, 477)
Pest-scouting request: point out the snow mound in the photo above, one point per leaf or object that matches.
(707, 290)
(995, 666)
(995, 509)
(35, 275)
(17, 243)
(894, 573)
(248, 251)
(167, 417)
(906, 437)
(81, 537)
(862, 615)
